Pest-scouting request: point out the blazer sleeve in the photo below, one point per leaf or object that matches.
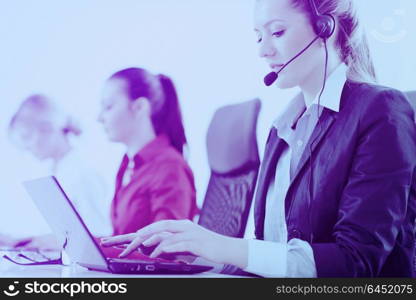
(374, 202)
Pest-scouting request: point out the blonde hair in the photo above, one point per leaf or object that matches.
(351, 39)
(39, 103)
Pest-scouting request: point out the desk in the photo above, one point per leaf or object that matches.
(9, 269)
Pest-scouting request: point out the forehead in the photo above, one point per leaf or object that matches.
(115, 85)
(30, 113)
(268, 12)
(27, 119)
(114, 88)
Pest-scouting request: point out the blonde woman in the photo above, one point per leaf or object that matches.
(44, 129)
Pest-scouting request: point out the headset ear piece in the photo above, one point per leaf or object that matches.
(325, 26)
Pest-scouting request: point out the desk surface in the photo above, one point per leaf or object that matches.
(14, 271)
(9, 269)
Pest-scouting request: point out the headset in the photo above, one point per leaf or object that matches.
(323, 24)
(324, 27)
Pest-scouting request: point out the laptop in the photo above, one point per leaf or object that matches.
(79, 244)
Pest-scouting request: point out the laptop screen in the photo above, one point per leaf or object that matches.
(63, 218)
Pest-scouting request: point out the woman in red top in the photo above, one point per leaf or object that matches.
(154, 182)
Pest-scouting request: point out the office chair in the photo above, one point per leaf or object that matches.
(234, 161)
(411, 96)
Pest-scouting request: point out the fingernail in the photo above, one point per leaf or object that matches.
(145, 243)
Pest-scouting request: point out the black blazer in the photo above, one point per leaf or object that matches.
(358, 209)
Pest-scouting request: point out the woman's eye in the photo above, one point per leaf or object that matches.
(259, 39)
(278, 33)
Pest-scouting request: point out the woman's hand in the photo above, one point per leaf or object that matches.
(184, 236)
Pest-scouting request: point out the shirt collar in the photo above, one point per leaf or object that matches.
(150, 150)
(331, 99)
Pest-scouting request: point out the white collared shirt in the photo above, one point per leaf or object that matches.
(275, 256)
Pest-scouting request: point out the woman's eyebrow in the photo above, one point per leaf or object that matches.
(268, 23)
(274, 21)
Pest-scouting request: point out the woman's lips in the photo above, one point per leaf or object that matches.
(276, 67)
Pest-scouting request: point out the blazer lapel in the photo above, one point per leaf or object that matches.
(274, 149)
(325, 123)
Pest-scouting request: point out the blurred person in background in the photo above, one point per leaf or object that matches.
(154, 182)
(41, 127)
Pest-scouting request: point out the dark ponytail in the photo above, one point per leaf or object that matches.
(164, 104)
(169, 119)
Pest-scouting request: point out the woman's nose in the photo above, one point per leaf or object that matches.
(266, 49)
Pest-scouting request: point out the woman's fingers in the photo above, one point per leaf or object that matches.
(132, 246)
(117, 240)
(172, 226)
(175, 238)
(183, 246)
(156, 239)
(159, 230)
(142, 240)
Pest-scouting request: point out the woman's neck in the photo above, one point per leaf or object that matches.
(314, 83)
(59, 153)
(136, 143)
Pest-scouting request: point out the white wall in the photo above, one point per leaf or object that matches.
(67, 49)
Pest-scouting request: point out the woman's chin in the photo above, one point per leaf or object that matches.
(113, 138)
(40, 156)
(284, 83)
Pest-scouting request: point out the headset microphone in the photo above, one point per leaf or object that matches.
(273, 76)
(324, 27)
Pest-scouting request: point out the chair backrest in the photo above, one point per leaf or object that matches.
(234, 161)
(411, 96)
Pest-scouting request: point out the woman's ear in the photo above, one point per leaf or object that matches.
(332, 41)
(141, 106)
